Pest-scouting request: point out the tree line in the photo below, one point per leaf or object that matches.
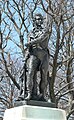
(16, 19)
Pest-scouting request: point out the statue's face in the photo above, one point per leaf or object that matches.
(38, 21)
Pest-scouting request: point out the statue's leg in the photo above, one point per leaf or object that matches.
(44, 82)
(32, 65)
(21, 87)
(34, 90)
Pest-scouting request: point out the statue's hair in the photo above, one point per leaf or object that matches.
(38, 14)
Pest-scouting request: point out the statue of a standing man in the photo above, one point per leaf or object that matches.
(38, 49)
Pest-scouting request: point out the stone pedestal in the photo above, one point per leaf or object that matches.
(28, 112)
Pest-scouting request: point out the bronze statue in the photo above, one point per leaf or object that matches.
(38, 56)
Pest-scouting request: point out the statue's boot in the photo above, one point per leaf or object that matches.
(28, 96)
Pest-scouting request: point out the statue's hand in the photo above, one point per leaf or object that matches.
(28, 44)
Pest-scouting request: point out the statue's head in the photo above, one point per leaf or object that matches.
(38, 20)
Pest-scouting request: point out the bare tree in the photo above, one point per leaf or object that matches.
(61, 51)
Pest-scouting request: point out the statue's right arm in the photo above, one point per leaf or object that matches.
(39, 39)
